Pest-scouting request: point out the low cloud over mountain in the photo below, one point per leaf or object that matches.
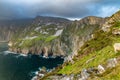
(15, 9)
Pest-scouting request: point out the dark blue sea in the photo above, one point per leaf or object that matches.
(20, 67)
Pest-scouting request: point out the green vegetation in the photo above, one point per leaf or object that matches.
(94, 52)
(116, 25)
(50, 38)
(38, 41)
(98, 57)
(33, 42)
(111, 74)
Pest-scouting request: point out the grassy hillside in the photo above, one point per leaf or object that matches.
(94, 52)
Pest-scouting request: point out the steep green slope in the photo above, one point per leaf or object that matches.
(96, 51)
(56, 36)
(100, 49)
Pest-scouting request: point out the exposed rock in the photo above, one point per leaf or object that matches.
(110, 21)
(112, 63)
(10, 44)
(45, 51)
(116, 47)
(84, 75)
(69, 59)
(35, 78)
(106, 27)
(58, 33)
(115, 17)
(66, 78)
(100, 69)
(116, 31)
(25, 51)
(61, 77)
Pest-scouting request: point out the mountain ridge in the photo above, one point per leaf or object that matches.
(44, 32)
(97, 58)
(78, 42)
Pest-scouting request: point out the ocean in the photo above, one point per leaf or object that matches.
(21, 67)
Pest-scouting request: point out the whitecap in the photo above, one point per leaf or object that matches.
(35, 73)
(8, 52)
(24, 55)
(39, 68)
(45, 57)
(21, 55)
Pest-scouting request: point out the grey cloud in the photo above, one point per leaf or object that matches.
(61, 8)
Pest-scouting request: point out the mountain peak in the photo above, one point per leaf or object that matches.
(92, 20)
(46, 19)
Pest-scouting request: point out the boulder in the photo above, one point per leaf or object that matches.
(66, 78)
(41, 75)
(10, 44)
(116, 47)
(84, 75)
(112, 63)
(100, 69)
(35, 78)
(116, 31)
(69, 59)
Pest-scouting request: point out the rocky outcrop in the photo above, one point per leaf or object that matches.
(116, 47)
(92, 69)
(57, 36)
(89, 73)
(116, 31)
(110, 21)
(42, 36)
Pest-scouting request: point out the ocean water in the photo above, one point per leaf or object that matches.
(21, 67)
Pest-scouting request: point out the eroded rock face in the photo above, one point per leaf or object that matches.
(59, 38)
(25, 51)
(56, 36)
(116, 31)
(10, 44)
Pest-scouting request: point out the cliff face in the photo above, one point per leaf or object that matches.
(55, 36)
(99, 57)
(10, 27)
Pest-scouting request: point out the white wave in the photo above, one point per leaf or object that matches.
(45, 57)
(39, 68)
(16, 54)
(21, 55)
(8, 52)
(25, 55)
(35, 72)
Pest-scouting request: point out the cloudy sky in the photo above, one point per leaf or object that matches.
(72, 9)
